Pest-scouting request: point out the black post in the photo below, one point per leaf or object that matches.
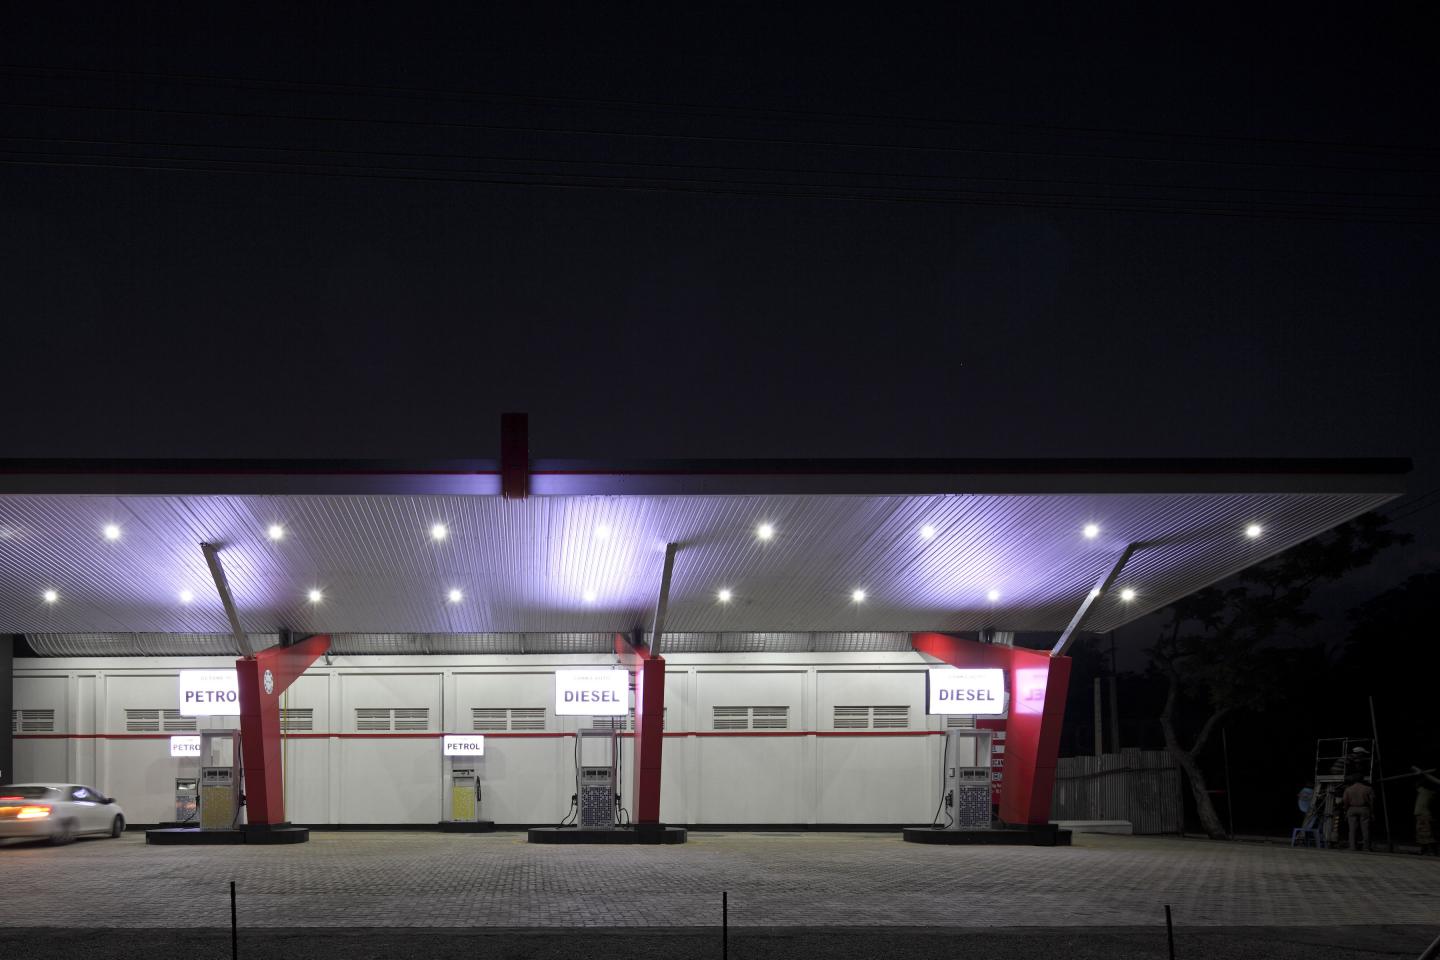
(7, 704)
(1380, 776)
(725, 925)
(1169, 932)
(234, 940)
(1229, 802)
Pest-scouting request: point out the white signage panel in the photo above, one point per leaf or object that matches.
(469, 745)
(205, 693)
(974, 693)
(185, 746)
(600, 693)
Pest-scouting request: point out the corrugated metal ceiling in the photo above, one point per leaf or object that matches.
(527, 567)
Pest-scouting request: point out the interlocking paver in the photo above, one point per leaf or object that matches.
(498, 880)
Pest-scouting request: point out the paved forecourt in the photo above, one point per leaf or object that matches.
(498, 880)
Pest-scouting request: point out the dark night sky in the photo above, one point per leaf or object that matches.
(300, 290)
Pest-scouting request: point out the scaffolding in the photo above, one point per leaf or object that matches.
(1338, 761)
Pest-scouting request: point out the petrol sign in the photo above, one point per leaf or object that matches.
(185, 746)
(205, 693)
(472, 745)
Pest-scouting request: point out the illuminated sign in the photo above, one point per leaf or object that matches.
(184, 746)
(974, 693)
(603, 693)
(464, 746)
(204, 693)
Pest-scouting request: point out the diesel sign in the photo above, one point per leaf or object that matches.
(593, 692)
(977, 693)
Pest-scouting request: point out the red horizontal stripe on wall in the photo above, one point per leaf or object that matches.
(496, 736)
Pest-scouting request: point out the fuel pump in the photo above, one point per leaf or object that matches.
(463, 768)
(967, 779)
(599, 749)
(220, 799)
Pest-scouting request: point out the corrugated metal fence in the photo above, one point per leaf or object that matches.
(1142, 786)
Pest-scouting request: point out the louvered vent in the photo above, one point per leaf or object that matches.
(624, 722)
(297, 720)
(954, 722)
(890, 718)
(142, 720)
(32, 721)
(872, 718)
(752, 718)
(503, 719)
(398, 719)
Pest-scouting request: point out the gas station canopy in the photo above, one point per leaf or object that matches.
(421, 557)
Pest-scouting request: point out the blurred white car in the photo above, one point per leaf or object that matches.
(59, 812)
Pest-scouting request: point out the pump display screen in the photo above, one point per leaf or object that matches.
(975, 693)
(601, 693)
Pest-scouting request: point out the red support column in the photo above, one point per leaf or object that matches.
(1038, 685)
(649, 673)
(262, 679)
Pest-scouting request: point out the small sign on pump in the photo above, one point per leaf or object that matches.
(973, 693)
(603, 693)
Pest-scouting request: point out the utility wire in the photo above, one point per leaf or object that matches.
(391, 91)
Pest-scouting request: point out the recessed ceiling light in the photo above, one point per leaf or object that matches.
(765, 531)
(315, 596)
(858, 596)
(1092, 530)
(993, 596)
(50, 596)
(1127, 594)
(927, 532)
(112, 532)
(186, 596)
(1254, 530)
(455, 596)
(724, 596)
(276, 532)
(590, 595)
(439, 532)
(602, 532)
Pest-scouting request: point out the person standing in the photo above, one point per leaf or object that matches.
(1424, 799)
(1359, 801)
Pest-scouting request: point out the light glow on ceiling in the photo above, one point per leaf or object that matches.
(993, 596)
(276, 532)
(724, 596)
(186, 596)
(1127, 594)
(50, 596)
(858, 596)
(765, 531)
(1092, 530)
(590, 595)
(439, 532)
(315, 596)
(455, 596)
(1254, 530)
(927, 532)
(112, 532)
(602, 532)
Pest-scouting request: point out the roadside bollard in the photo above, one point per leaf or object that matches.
(725, 925)
(1169, 931)
(234, 940)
